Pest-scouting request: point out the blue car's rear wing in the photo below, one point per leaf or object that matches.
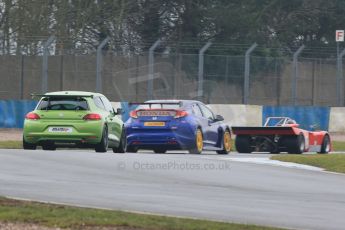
(155, 103)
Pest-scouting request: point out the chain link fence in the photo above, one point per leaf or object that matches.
(127, 77)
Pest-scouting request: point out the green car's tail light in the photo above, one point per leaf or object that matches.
(133, 114)
(32, 116)
(180, 113)
(92, 117)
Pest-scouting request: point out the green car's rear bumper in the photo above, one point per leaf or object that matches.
(88, 132)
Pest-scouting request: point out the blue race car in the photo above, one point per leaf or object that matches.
(162, 125)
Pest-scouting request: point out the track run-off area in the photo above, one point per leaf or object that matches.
(241, 188)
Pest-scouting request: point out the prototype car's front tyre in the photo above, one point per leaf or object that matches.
(122, 146)
(102, 146)
(226, 143)
(199, 143)
(28, 146)
(326, 145)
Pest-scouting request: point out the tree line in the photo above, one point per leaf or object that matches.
(278, 26)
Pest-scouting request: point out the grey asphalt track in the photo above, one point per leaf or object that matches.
(204, 186)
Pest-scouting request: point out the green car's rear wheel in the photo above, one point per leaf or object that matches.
(28, 146)
(102, 147)
(123, 143)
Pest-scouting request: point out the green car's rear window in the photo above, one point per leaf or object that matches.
(63, 104)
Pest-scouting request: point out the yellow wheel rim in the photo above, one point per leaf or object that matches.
(199, 141)
(227, 141)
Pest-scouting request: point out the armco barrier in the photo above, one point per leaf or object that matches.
(12, 112)
(336, 120)
(306, 116)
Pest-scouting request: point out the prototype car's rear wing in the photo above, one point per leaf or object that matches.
(238, 130)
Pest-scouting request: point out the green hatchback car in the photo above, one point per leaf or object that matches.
(74, 119)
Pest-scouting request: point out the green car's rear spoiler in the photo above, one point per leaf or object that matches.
(60, 96)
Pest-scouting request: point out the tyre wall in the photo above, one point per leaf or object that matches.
(12, 112)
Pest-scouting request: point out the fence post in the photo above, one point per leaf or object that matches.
(44, 86)
(295, 74)
(247, 73)
(99, 86)
(201, 69)
(340, 93)
(22, 77)
(151, 69)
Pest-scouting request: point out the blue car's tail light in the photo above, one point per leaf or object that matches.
(133, 114)
(180, 113)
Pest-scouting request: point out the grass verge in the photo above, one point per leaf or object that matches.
(330, 162)
(51, 215)
(338, 145)
(11, 145)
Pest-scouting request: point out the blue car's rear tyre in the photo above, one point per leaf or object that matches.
(131, 149)
(159, 150)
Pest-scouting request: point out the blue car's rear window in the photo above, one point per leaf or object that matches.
(63, 104)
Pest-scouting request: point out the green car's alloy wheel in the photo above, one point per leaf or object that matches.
(102, 147)
(123, 143)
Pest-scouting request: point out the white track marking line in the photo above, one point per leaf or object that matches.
(267, 161)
